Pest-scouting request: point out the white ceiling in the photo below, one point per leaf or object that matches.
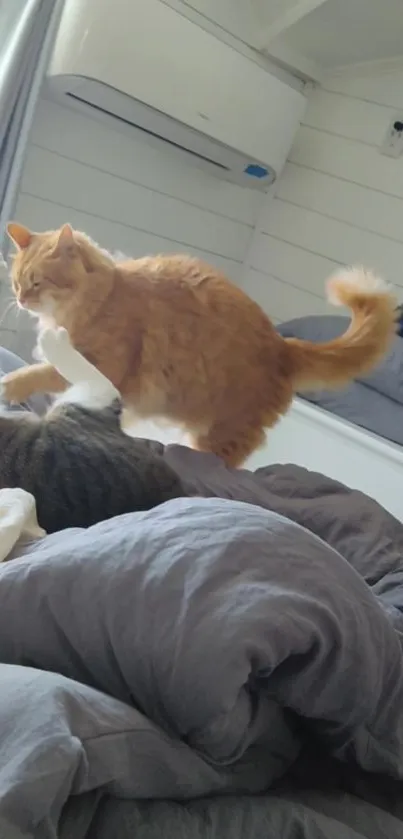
(340, 32)
(310, 36)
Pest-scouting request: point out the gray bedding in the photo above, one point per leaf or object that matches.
(209, 668)
(375, 401)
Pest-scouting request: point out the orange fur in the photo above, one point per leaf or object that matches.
(180, 341)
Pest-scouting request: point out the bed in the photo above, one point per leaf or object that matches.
(226, 665)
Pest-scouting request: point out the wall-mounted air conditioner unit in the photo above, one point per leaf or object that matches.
(151, 70)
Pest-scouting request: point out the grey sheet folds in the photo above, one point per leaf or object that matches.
(352, 523)
(324, 815)
(214, 642)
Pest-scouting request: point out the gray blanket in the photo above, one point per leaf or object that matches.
(207, 648)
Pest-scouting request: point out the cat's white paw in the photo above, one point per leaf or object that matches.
(51, 341)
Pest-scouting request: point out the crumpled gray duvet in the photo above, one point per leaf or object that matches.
(225, 666)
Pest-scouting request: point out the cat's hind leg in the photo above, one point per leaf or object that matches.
(231, 442)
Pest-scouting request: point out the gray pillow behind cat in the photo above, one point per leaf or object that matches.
(386, 378)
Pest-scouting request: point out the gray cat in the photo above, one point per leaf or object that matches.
(76, 461)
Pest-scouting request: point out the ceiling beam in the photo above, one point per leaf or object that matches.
(293, 61)
(276, 16)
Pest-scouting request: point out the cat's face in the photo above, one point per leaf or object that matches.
(36, 291)
(43, 276)
(49, 269)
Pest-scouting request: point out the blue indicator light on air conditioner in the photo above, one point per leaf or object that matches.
(256, 171)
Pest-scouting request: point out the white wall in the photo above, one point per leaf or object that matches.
(127, 196)
(338, 201)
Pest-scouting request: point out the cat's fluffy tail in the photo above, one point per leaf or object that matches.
(367, 339)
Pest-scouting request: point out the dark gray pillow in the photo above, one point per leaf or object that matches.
(387, 378)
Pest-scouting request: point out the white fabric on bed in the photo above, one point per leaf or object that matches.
(18, 521)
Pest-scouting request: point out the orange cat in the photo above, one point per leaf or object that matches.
(180, 341)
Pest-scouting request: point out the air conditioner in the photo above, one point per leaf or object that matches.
(148, 69)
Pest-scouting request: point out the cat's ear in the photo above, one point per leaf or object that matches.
(66, 243)
(19, 235)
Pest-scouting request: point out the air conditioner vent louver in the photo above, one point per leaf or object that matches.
(148, 132)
